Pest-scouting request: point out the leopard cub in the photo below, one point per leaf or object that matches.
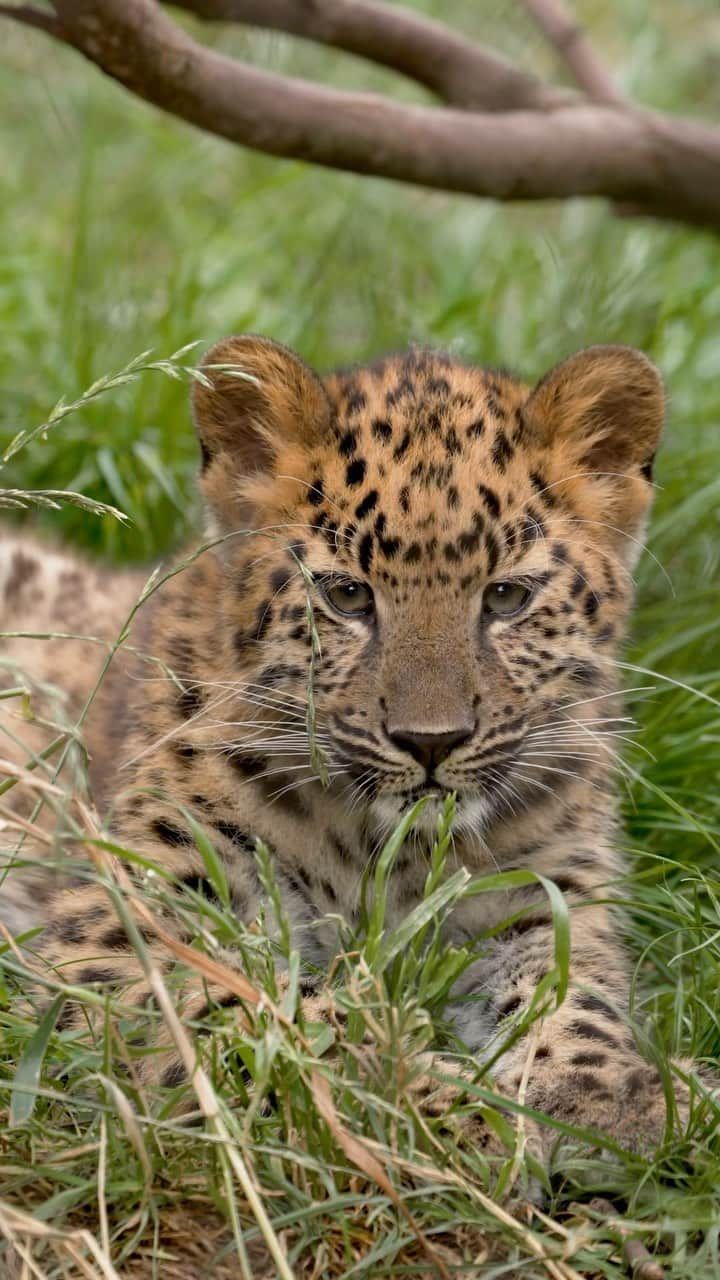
(467, 543)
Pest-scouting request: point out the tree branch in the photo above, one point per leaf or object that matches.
(569, 39)
(33, 18)
(459, 71)
(670, 166)
(660, 165)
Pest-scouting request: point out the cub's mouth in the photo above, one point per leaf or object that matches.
(472, 814)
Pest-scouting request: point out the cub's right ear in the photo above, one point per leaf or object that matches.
(258, 403)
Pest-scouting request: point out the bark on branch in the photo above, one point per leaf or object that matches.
(32, 18)
(665, 166)
(462, 73)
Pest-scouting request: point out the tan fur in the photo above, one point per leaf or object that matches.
(429, 481)
(46, 590)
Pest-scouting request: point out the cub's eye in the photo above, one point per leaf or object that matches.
(352, 598)
(505, 598)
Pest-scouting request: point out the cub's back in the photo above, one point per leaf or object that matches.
(47, 592)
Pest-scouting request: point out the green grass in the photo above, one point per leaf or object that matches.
(123, 230)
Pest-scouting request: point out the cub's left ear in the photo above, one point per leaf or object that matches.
(601, 414)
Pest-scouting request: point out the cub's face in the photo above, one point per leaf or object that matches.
(442, 554)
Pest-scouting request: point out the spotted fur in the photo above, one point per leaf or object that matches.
(421, 482)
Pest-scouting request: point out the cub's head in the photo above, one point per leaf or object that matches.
(442, 552)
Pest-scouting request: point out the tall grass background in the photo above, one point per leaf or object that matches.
(123, 230)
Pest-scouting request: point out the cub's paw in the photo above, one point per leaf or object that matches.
(626, 1102)
(444, 1093)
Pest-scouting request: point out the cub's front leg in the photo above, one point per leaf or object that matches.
(580, 1062)
(87, 945)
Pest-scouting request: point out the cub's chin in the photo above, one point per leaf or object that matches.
(472, 813)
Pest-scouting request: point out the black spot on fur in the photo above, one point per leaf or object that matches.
(72, 929)
(591, 604)
(339, 847)
(170, 834)
(526, 925)
(589, 1083)
(316, 493)
(241, 642)
(173, 1076)
(97, 973)
(220, 1002)
(189, 701)
(642, 1080)
(67, 1017)
(115, 938)
(401, 449)
(381, 429)
(367, 505)
(279, 673)
(502, 451)
(295, 883)
(590, 1031)
(355, 473)
(595, 1004)
(348, 443)
(532, 527)
(438, 386)
(452, 444)
(356, 402)
(279, 579)
(247, 766)
(389, 547)
(588, 1059)
(365, 553)
(490, 499)
(492, 550)
(469, 541)
(496, 409)
(566, 884)
(236, 834)
(181, 655)
(200, 884)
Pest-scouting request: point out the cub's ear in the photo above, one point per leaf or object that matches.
(600, 414)
(259, 403)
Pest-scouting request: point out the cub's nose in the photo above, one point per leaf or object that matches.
(429, 749)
